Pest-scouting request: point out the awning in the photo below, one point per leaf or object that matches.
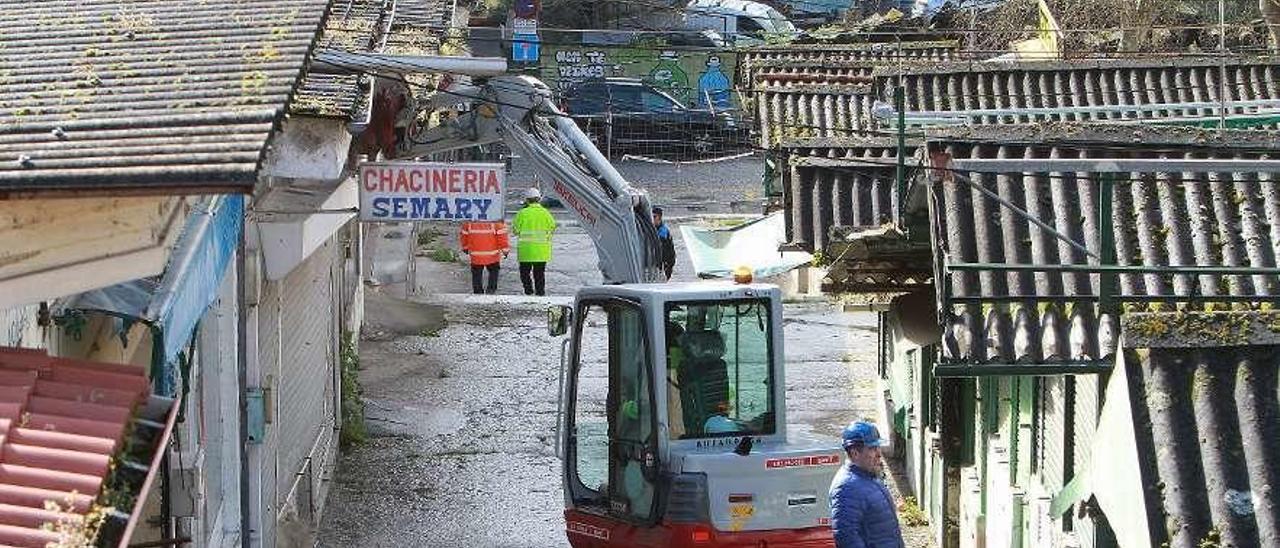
(52, 248)
(174, 303)
(294, 221)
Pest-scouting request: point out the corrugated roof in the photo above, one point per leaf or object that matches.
(62, 422)
(820, 90)
(1206, 424)
(403, 27)
(1160, 219)
(816, 109)
(353, 25)
(968, 86)
(145, 96)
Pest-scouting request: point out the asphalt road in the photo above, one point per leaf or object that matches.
(461, 389)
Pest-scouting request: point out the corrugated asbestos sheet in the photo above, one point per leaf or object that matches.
(840, 197)
(820, 90)
(403, 27)
(1160, 219)
(155, 96)
(968, 86)
(816, 109)
(1207, 425)
(353, 25)
(820, 54)
(837, 184)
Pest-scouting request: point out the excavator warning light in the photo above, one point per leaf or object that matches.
(742, 275)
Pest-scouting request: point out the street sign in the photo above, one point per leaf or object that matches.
(524, 48)
(431, 191)
(524, 26)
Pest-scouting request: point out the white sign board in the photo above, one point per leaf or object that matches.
(524, 26)
(431, 191)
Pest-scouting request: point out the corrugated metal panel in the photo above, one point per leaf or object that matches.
(306, 368)
(1084, 427)
(1207, 425)
(1053, 411)
(160, 96)
(960, 86)
(269, 362)
(1160, 219)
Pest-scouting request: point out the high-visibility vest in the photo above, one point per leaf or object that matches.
(533, 226)
(485, 241)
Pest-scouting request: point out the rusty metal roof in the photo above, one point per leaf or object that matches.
(163, 96)
(1202, 217)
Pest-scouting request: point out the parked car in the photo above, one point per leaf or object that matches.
(741, 22)
(629, 116)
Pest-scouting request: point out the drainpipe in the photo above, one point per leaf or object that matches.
(242, 335)
(899, 103)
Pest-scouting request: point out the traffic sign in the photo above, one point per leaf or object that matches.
(524, 48)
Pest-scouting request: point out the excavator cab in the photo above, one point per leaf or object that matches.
(671, 423)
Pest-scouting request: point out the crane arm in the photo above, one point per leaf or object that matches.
(519, 111)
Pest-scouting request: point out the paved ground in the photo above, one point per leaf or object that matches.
(461, 389)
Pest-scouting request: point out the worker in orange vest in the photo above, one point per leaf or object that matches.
(486, 243)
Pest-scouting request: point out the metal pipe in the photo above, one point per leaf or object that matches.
(1119, 298)
(1117, 269)
(1024, 369)
(1035, 112)
(344, 62)
(1115, 165)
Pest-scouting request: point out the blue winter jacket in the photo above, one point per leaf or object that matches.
(862, 511)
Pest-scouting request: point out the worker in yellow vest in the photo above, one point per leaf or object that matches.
(533, 227)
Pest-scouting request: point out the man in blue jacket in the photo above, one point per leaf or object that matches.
(862, 510)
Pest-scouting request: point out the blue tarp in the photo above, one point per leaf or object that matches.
(174, 303)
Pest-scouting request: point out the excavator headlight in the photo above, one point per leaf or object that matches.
(742, 275)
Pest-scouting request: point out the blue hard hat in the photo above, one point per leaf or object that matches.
(861, 434)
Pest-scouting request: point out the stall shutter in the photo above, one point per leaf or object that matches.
(306, 369)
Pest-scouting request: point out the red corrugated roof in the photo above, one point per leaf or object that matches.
(61, 421)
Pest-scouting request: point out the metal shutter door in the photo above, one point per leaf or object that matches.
(305, 387)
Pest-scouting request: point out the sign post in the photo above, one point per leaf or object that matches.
(432, 191)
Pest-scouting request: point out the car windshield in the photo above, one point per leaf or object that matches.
(719, 369)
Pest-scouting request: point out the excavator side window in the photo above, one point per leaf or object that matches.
(612, 450)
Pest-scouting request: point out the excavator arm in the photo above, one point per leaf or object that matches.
(519, 111)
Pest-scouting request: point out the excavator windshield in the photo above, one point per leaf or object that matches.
(719, 368)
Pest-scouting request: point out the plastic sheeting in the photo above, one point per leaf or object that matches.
(715, 252)
(175, 302)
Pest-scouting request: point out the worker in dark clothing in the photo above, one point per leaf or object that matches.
(863, 514)
(668, 243)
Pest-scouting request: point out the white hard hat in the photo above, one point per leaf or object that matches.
(532, 193)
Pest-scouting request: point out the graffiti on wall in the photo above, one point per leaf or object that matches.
(695, 78)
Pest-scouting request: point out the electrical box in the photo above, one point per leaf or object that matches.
(256, 429)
